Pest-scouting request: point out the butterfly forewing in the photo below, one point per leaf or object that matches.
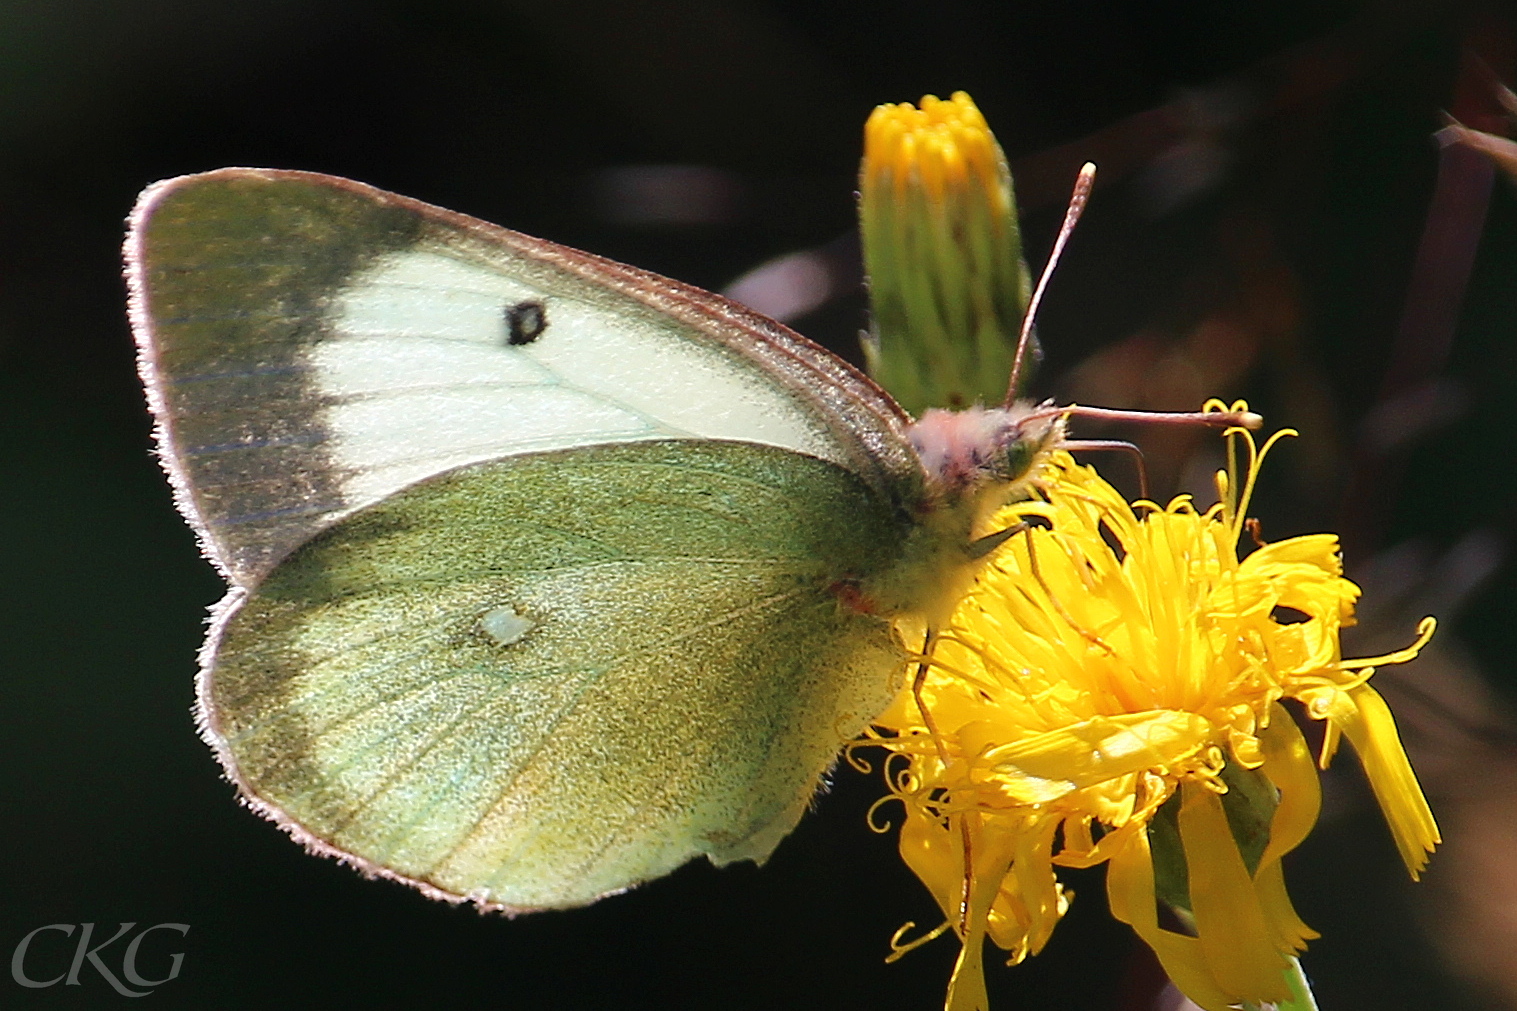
(311, 345)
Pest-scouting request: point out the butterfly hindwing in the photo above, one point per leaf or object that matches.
(535, 681)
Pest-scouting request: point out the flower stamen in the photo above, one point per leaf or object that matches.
(898, 949)
(1425, 629)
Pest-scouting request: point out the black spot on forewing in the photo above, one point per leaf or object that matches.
(525, 322)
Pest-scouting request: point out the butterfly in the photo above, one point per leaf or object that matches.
(546, 574)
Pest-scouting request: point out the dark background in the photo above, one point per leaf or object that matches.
(1267, 178)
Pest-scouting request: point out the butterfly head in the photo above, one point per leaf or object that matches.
(983, 453)
(973, 463)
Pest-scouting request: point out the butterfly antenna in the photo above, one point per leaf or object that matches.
(1077, 201)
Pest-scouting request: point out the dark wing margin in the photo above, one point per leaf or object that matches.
(228, 278)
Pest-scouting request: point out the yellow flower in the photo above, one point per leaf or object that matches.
(942, 248)
(1111, 691)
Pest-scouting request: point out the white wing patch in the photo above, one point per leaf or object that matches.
(420, 379)
(505, 626)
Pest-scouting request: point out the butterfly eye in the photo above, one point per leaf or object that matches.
(1013, 458)
(525, 322)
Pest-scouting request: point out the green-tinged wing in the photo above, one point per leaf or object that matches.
(532, 682)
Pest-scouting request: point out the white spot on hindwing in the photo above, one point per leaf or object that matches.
(504, 625)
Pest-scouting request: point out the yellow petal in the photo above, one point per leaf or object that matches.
(1425, 629)
(1372, 731)
(993, 842)
(966, 987)
(1284, 925)
(981, 738)
(1288, 764)
(1318, 550)
(1077, 835)
(1033, 870)
(1103, 748)
(1233, 930)
(1110, 843)
(936, 856)
(903, 712)
(1130, 895)
(1331, 737)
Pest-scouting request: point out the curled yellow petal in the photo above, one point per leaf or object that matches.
(1372, 731)
(1101, 749)
(1425, 629)
(1130, 894)
(991, 857)
(1288, 765)
(1230, 923)
(1286, 929)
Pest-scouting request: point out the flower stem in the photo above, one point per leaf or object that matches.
(1301, 998)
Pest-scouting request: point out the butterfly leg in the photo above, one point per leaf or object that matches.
(1077, 445)
(925, 664)
(1037, 573)
(928, 642)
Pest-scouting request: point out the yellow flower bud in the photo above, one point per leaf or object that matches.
(942, 249)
